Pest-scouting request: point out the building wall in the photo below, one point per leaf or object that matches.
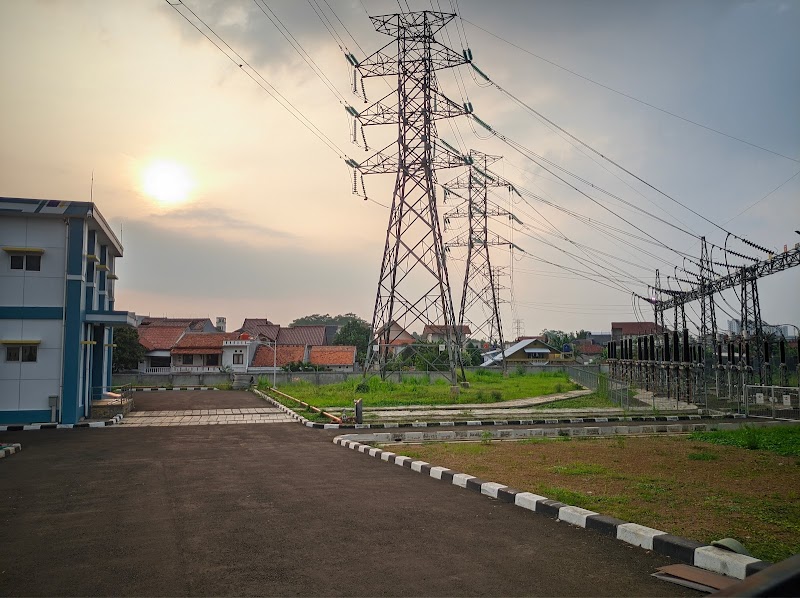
(28, 386)
(50, 306)
(38, 289)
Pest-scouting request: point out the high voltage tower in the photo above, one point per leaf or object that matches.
(480, 300)
(413, 288)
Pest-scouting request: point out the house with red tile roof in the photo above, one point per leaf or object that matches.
(260, 328)
(337, 358)
(189, 324)
(266, 358)
(302, 335)
(200, 352)
(158, 342)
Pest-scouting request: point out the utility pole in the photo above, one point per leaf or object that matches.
(413, 287)
(480, 301)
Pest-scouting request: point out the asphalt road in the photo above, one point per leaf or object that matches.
(275, 510)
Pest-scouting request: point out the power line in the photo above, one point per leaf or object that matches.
(269, 89)
(630, 97)
(763, 198)
(604, 157)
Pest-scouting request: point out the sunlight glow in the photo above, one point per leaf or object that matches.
(167, 182)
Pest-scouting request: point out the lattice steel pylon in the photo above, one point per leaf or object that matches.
(414, 287)
(480, 300)
(708, 317)
(752, 325)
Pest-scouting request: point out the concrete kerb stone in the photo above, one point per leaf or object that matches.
(694, 553)
(163, 388)
(9, 449)
(495, 423)
(56, 426)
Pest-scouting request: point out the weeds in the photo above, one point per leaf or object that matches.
(782, 440)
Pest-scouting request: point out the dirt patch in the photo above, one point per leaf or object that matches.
(682, 486)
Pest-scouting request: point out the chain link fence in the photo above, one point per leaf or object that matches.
(616, 391)
(775, 402)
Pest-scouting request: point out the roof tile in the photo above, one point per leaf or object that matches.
(265, 355)
(160, 338)
(344, 355)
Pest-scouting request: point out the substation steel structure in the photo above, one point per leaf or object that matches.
(480, 296)
(674, 364)
(413, 287)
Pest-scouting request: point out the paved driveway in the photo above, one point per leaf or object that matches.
(174, 400)
(200, 408)
(275, 510)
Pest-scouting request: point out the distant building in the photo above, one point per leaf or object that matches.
(735, 329)
(599, 338)
(57, 279)
(531, 351)
(436, 333)
(620, 330)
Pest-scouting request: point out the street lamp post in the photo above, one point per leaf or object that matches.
(274, 361)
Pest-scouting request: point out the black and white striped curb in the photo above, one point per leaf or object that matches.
(54, 426)
(695, 553)
(552, 432)
(487, 423)
(163, 388)
(9, 449)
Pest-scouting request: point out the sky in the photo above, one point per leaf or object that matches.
(228, 206)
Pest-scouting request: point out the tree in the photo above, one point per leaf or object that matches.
(558, 338)
(127, 352)
(326, 320)
(355, 332)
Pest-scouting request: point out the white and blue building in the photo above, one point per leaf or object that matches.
(57, 263)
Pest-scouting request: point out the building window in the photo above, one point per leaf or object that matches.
(23, 353)
(238, 359)
(32, 263)
(212, 359)
(188, 359)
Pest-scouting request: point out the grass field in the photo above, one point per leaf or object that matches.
(705, 487)
(485, 387)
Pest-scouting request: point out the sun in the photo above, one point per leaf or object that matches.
(167, 182)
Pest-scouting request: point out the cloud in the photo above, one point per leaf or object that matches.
(200, 220)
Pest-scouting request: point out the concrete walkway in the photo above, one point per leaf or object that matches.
(277, 510)
(206, 417)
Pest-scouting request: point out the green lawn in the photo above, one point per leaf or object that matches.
(485, 387)
(783, 440)
(592, 401)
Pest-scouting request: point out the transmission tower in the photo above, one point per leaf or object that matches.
(480, 301)
(708, 318)
(413, 288)
(752, 326)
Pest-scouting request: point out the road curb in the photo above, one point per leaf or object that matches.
(55, 426)
(492, 423)
(694, 553)
(9, 449)
(164, 388)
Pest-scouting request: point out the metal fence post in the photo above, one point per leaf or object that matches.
(772, 400)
